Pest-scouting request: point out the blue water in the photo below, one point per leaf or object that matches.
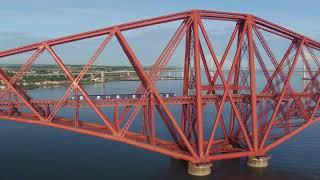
(35, 152)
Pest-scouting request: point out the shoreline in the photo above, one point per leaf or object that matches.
(31, 87)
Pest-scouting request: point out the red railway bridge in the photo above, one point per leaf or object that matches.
(259, 119)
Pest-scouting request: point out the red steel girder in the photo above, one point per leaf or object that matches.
(238, 89)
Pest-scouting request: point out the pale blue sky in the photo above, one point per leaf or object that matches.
(23, 22)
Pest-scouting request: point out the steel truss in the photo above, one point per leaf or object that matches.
(259, 120)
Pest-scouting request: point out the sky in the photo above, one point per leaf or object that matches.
(24, 22)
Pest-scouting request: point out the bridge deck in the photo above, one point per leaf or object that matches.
(144, 100)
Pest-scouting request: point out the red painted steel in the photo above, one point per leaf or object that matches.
(259, 120)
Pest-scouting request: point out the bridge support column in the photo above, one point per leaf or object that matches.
(258, 162)
(199, 169)
(103, 77)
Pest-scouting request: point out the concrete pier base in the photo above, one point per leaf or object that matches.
(229, 146)
(258, 162)
(199, 169)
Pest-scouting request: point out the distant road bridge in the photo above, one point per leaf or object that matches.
(252, 120)
(102, 75)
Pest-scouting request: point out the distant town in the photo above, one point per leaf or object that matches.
(52, 75)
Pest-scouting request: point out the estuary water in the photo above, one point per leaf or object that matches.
(35, 152)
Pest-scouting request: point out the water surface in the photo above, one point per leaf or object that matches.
(35, 152)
